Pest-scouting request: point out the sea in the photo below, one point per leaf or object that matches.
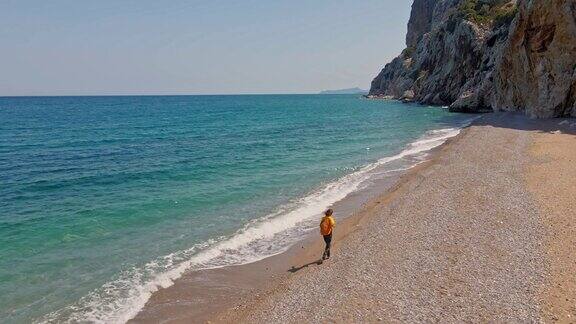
(104, 200)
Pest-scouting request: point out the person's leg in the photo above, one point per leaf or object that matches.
(327, 240)
(325, 248)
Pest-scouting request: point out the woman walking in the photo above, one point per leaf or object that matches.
(326, 228)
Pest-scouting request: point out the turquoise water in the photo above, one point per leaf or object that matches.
(103, 199)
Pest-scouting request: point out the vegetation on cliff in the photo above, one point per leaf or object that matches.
(489, 12)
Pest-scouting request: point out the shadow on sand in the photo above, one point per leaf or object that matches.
(520, 121)
(296, 269)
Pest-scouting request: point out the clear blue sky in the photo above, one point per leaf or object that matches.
(74, 47)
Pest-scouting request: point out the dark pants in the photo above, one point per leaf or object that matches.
(328, 240)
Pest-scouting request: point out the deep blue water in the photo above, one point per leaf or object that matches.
(103, 198)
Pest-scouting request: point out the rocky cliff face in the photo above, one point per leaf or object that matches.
(485, 55)
(537, 68)
(420, 21)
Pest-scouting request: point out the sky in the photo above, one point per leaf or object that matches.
(116, 47)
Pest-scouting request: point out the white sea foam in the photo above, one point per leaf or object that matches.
(121, 299)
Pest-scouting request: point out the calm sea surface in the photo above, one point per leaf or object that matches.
(103, 199)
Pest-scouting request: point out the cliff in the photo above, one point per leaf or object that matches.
(486, 55)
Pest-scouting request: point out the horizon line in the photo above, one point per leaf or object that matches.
(172, 95)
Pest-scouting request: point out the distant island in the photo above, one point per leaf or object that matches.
(345, 91)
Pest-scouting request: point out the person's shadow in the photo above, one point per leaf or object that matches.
(296, 269)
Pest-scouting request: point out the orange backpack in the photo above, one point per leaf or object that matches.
(325, 226)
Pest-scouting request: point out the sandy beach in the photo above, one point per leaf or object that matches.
(483, 232)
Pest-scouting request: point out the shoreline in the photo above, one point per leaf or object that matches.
(313, 245)
(206, 295)
(515, 279)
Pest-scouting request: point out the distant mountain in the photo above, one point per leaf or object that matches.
(345, 91)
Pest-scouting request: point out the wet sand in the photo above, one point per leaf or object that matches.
(479, 233)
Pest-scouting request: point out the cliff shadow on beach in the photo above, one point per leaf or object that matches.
(522, 122)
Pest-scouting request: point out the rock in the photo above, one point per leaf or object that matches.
(420, 21)
(469, 102)
(437, 100)
(537, 69)
(511, 56)
(407, 96)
